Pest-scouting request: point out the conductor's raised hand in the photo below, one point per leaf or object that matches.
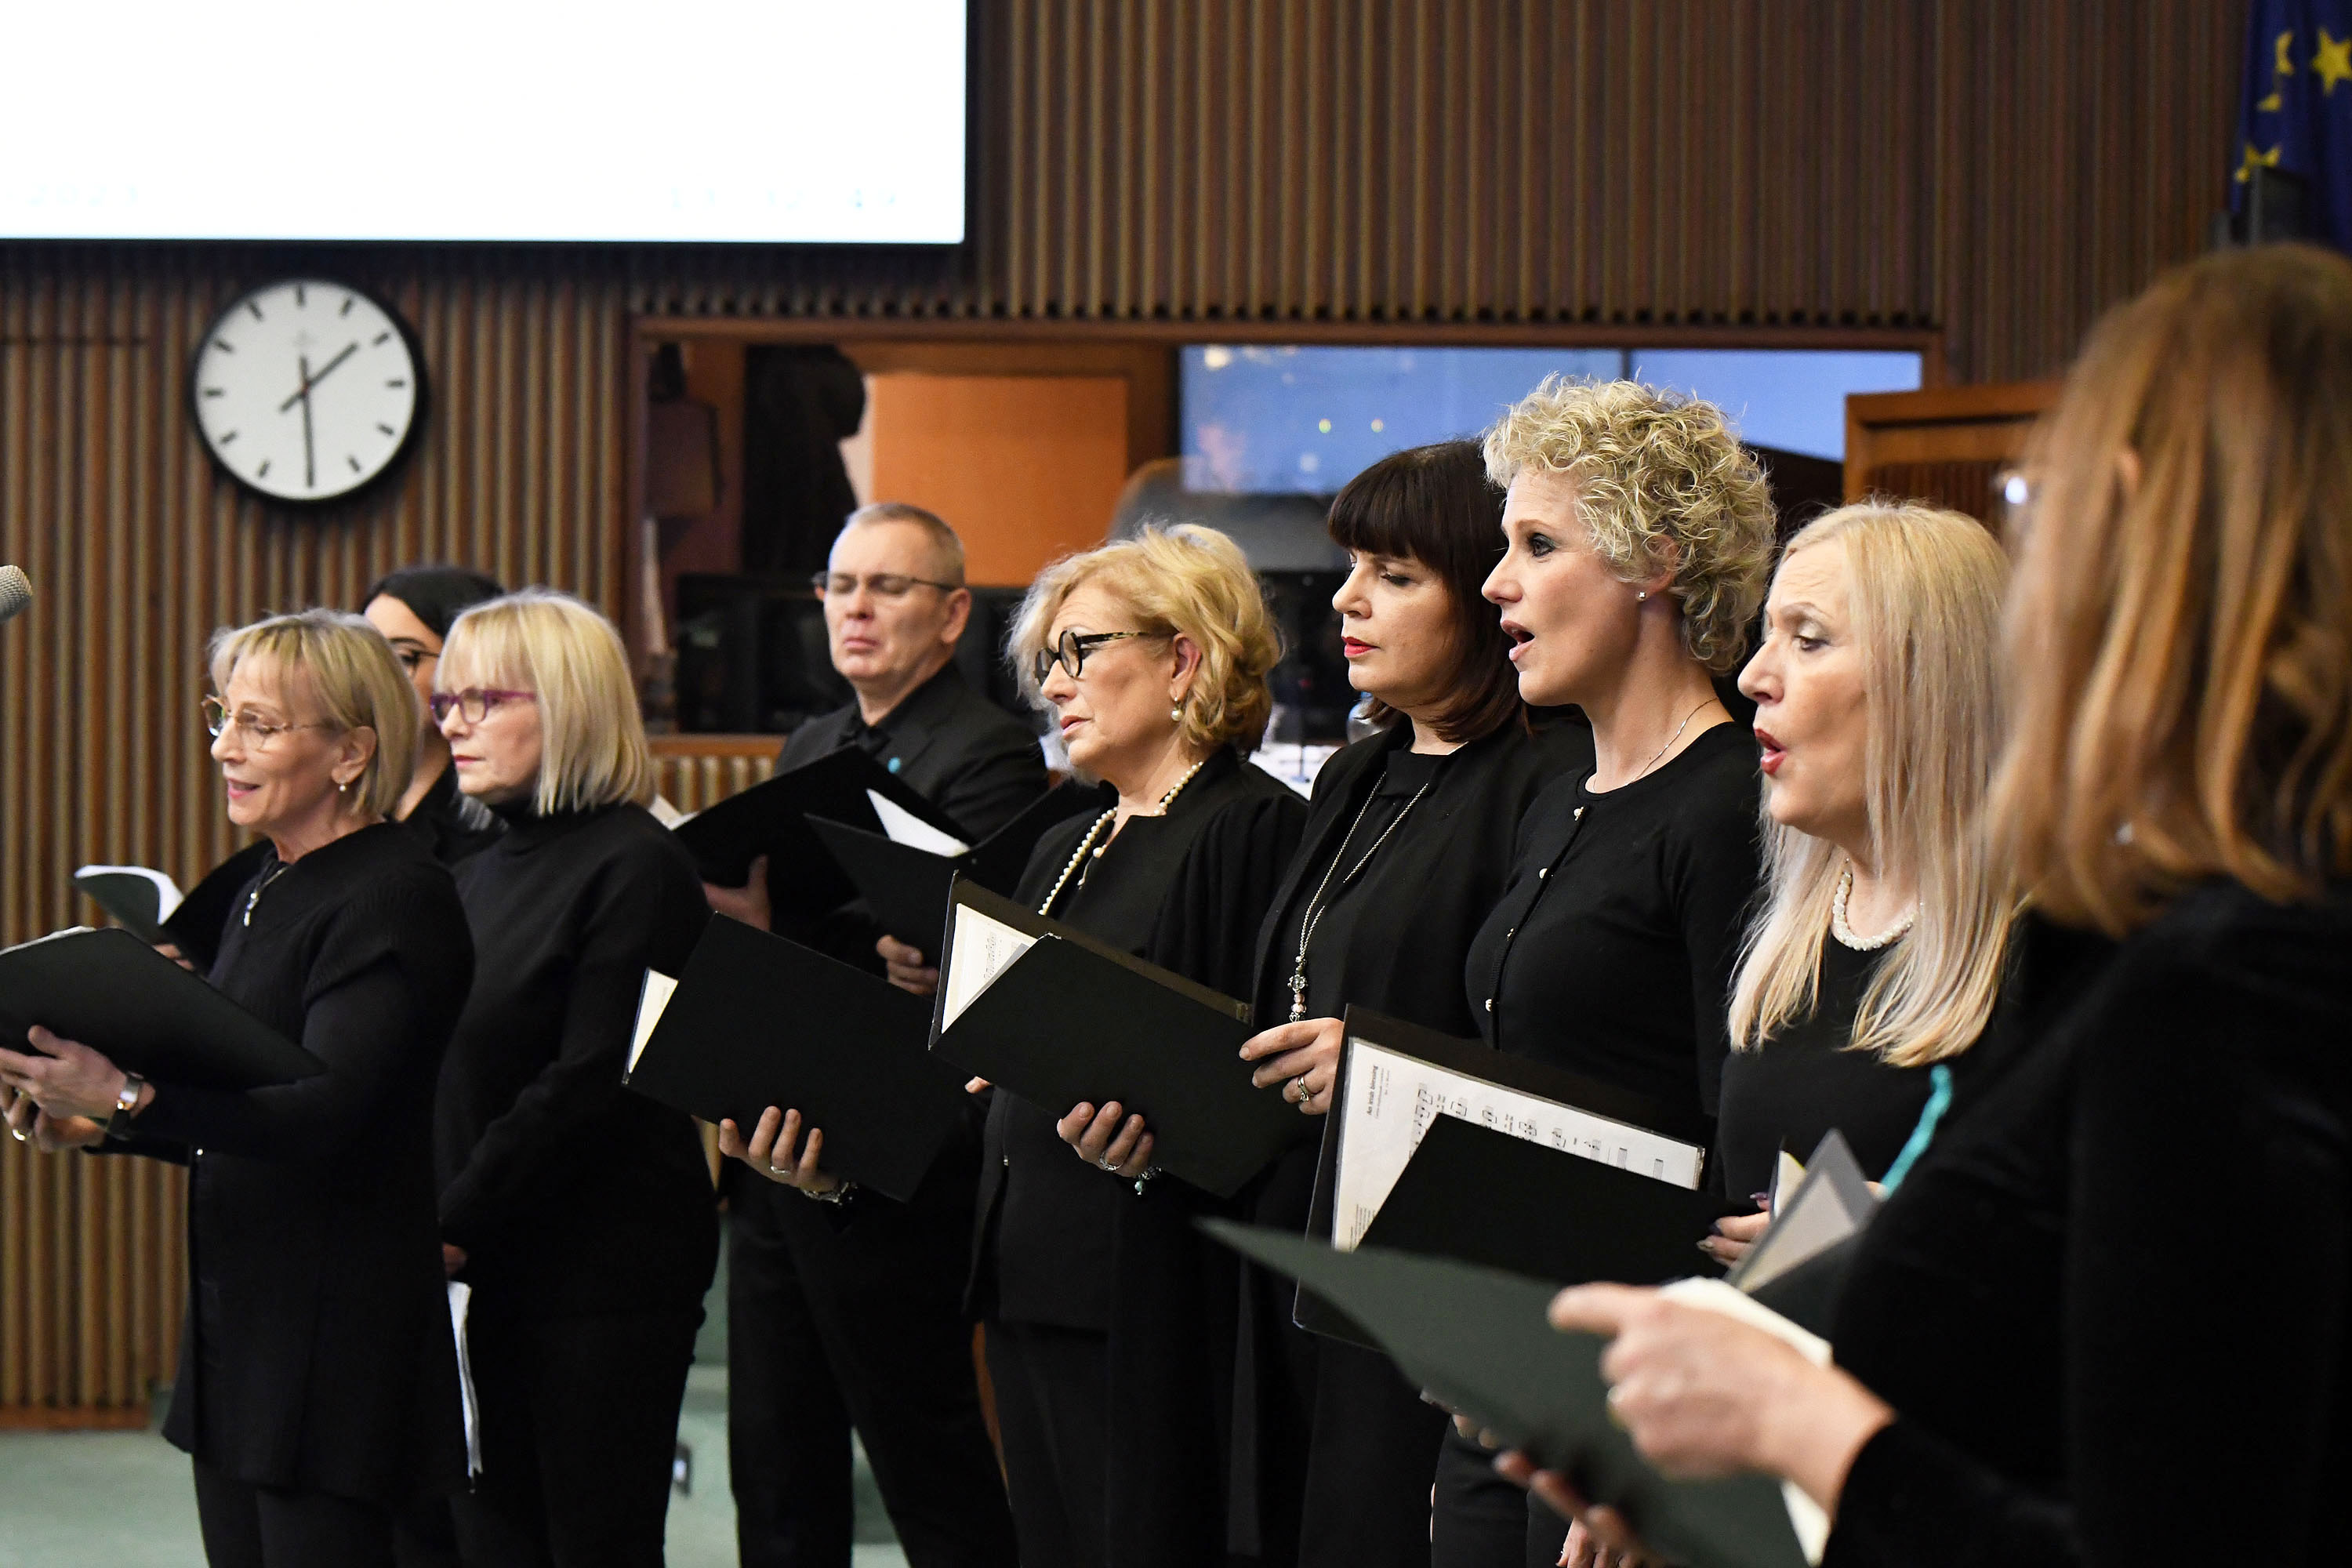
(770, 1151)
(1302, 1057)
(748, 903)
(1108, 1138)
(908, 968)
(67, 1078)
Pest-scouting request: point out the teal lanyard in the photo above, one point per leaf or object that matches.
(1939, 1100)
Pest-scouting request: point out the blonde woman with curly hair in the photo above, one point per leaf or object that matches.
(1638, 539)
(1110, 1322)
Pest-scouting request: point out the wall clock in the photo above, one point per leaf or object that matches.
(307, 390)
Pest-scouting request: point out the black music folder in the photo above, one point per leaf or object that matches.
(1476, 1338)
(771, 819)
(755, 1020)
(1052, 1014)
(906, 886)
(1449, 1147)
(118, 996)
(148, 904)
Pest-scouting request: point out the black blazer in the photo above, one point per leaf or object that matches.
(316, 1353)
(571, 1195)
(950, 744)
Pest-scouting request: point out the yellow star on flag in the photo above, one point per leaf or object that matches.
(2333, 63)
(2257, 160)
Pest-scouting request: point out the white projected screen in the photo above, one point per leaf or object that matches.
(705, 121)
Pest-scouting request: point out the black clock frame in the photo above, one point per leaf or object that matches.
(401, 454)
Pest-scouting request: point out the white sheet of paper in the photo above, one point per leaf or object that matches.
(1805, 1516)
(1811, 1220)
(668, 815)
(655, 997)
(905, 827)
(167, 891)
(982, 950)
(461, 1297)
(1392, 1098)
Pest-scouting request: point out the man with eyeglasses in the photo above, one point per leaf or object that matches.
(845, 1314)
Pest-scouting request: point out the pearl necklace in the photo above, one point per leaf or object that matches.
(1087, 847)
(1844, 933)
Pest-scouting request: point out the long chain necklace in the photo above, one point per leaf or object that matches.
(1086, 845)
(1317, 908)
(254, 902)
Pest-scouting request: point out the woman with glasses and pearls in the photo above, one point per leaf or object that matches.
(412, 607)
(1638, 538)
(1109, 1320)
(317, 1389)
(581, 1213)
(1406, 850)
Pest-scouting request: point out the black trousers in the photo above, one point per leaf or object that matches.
(579, 1427)
(1484, 1521)
(247, 1526)
(854, 1318)
(1053, 1391)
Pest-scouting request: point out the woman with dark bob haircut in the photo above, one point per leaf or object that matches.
(1406, 851)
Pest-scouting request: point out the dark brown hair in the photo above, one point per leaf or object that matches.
(1436, 505)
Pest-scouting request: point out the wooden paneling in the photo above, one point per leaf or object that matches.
(1946, 445)
(1684, 170)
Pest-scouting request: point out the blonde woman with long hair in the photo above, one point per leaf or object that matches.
(2104, 1321)
(1879, 947)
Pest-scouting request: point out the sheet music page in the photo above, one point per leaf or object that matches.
(461, 1297)
(982, 950)
(905, 827)
(1392, 1098)
(651, 1001)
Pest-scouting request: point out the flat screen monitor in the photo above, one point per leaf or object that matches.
(691, 120)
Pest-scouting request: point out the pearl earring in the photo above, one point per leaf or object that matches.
(343, 786)
(1643, 595)
(1176, 714)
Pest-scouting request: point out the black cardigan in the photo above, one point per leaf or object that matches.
(571, 1195)
(316, 1353)
(2113, 1305)
(1060, 1242)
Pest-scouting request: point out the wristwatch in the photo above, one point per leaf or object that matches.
(124, 1104)
(839, 1195)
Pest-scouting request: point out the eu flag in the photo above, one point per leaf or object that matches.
(2298, 55)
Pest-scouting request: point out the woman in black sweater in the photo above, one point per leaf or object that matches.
(318, 1383)
(1405, 852)
(1109, 1319)
(582, 1215)
(1640, 536)
(2104, 1320)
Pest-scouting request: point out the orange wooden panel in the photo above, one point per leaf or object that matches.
(1026, 468)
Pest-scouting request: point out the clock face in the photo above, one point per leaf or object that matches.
(307, 390)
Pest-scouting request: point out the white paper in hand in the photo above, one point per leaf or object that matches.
(978, 950)
(1805, 1516)
(655, 997)
(905, 827)
(461, 1297)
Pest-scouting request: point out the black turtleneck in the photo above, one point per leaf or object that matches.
(570, 1194)
(453, 824)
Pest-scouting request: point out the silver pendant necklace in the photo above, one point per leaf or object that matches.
(1317, 908)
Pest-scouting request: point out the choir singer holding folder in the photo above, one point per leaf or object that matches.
(318, 1384)
(846, 1311)
(1405, 852)
(1109, 1320)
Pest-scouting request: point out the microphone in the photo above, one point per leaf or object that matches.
(15, 594)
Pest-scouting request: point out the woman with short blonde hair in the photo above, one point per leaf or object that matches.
(581, 1213)
(2019, 1350)
(317, 1391)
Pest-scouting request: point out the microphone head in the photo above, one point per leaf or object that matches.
(16, 592)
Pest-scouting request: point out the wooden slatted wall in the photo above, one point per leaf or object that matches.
(1997, 170)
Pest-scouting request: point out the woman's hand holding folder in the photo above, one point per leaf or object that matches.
(1303, 1057)
(908, 968)
(1106, 1139)
(770, 1151)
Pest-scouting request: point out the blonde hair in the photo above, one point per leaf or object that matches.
(352, 674)
(1188, 581)
(1662, 484)
(2181, 629)
(1924, 587)
(548, 643)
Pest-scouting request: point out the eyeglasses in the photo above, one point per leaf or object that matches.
(1071, 652)
(258, 733)
(476, 703)
(881, 584)
(411, 656)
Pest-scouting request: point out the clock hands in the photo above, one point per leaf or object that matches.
(309, 457)
(302, 393)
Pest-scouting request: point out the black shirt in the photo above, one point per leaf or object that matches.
(453, 825)
(1613, 949)
(571, 1195)
(949, 742)
(1791, 1091)
(2112, 1306)
(316, 1353)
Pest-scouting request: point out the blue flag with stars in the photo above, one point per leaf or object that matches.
(2298, 60)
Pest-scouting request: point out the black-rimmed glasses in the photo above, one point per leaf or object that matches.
(1071, 652)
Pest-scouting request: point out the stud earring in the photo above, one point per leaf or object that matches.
(343, 786)
(1643, 595)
